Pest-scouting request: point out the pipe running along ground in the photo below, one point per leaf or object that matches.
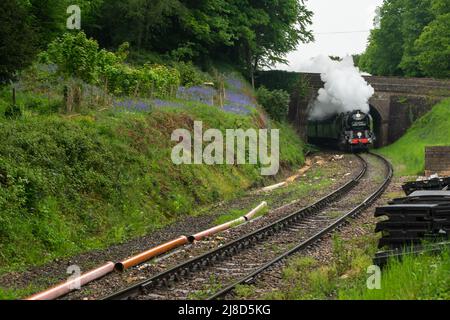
(74, 284)
(212, 231)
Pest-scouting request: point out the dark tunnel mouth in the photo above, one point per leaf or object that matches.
(377, 125)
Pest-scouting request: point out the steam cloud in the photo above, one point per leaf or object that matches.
(345, 89)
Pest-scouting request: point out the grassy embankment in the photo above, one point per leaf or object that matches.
(408, 153)
(74, 183)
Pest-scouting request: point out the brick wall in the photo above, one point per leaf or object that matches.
(437, 160)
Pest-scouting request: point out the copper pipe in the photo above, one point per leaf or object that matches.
(68, 286)
(249, 216)
(149, 254)
(71, 285)
(207, 233)
(212, 231)
(275, 186)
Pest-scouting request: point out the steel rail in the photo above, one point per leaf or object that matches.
(186, 268)
(305, 244)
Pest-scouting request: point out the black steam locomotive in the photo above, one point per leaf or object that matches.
(351, 131)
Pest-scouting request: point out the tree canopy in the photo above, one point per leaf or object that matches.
(248, 33)
(412, 40)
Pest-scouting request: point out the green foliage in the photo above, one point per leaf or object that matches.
(230, 216)
(80, 57)
(345, 276)
(434, 47)
(275, 102)
(17, 39)
(423, 277)
(27, 26)
(412, 40)
(277, 80)
(49, 19)
(149, 80)
(385, 49)
(251, 34)
(408, 153)
(189, 75)
(13, 111)
(75, 184)
(416, 15)
(77, 56)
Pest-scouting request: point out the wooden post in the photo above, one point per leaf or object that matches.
(77, 97)
(68, 99)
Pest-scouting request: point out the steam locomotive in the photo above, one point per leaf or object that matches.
(351, 131)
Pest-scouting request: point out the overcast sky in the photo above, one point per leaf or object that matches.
(331, 17)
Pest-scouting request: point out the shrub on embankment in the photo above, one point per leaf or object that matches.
(433, 129)
(70, 184)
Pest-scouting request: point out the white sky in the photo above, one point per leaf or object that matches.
(335, 16)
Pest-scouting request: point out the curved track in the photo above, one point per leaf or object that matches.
(241, 260)
(308, 241)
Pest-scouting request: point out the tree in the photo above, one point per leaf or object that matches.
(257, 33)
(17, 38)
(268, 30)
(433, 47)
(416, 14)
(412, 39)
(143, 23)
(385, 50)
(49, 18)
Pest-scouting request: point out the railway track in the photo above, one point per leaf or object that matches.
(241, 260)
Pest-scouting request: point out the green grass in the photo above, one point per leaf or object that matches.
(230, 216)
(305, 278)
(423, 277)
(345, 277)
(408, 153)
(202, 294)
(10, 294)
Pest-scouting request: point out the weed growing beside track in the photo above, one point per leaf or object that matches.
(423, 277)
(344, 276)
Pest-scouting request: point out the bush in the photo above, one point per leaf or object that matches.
(76, 56)
(275, 102)
(190, 75)
(41, 105)
(149, 81)
(13, 111)
(79, 57)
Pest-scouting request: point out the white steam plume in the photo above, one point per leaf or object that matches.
(345, 88)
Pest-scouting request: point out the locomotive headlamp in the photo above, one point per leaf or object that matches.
(359, 135)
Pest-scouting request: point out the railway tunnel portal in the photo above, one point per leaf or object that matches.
(396, 104)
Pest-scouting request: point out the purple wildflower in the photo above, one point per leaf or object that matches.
(131, 105)
(200, 94)
(236, 109)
